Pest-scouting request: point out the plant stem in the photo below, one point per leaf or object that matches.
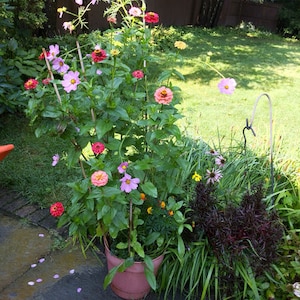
(130, 226)
(51, 76)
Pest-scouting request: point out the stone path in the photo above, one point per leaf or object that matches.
(31, 269)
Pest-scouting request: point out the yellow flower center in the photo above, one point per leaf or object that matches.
(73, 81)
(226, 87)
(163, 93)
(127, 181)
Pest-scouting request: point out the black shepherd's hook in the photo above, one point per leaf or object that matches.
(249, 127)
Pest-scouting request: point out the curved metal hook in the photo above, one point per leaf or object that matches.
(249, 127)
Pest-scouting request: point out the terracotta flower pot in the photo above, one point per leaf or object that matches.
(132, 283)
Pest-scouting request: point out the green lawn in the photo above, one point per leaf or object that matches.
(259, 62)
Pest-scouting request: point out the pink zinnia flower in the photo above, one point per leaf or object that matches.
(227, 86)
(46, 81)
(99, 178)
(98, 148)
(31, 84)
(135, 11)
(163, 95)
(57, 209)
(53, 52)
(59, 65)
(122, 167)
(213, 176)
(71, 80)
(98, 55)
(138, 74)
(55, 159)
(151, 17)
(220, 161)
(128, 184)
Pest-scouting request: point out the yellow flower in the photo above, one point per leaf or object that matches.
(114, 52)
(171, 213)
(149, 210)
(180, 45)
(61, 9)
(196, 176)
(162, 204)
(142, 196)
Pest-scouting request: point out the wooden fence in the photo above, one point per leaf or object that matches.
(205, 13)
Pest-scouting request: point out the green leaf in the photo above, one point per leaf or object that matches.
(102, 127)
(151, 238)
(149, 189)
(149, 272)
(181, 248)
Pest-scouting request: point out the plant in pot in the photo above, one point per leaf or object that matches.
(125, 146)
(116, 105)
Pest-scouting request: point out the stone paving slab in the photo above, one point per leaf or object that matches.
(26, 256)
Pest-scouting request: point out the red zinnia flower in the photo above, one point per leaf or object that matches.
(98, 148)
(138, 74)
(151, 17)
(30, 84)
(98, 55)
(57, 209)
(42, 56)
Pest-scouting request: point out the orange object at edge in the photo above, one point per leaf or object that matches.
(5, 149)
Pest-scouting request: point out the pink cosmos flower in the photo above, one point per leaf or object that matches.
(213, 176)
(53, 52)
(79, 2)
(112, 19)
(138, 74)
(93, 2)
(68, 26)
(31, 84)
(163, 95)
(122, 167)
(59, 65)
(99, 178)
(98, 148)
(135, 11)
(212, 152)
(71, 80)
(220, 161)
(151, 17)
(55, 159)
(227, 86)
(128, 184)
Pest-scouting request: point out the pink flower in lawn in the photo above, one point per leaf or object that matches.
(31, 84)
(220, 161)
(122, 167)
(227, 86)
(99, 178)
(163, 95)
(59, 65)
(71, 80)
(53, 52)
(98, 148)
(112, 19)
(55, 159)
(57, 209)
(138, 74)
(151, 17)
(213, 176)
(135, 11)
(99, 72)
(213, 152)
(128, 184)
